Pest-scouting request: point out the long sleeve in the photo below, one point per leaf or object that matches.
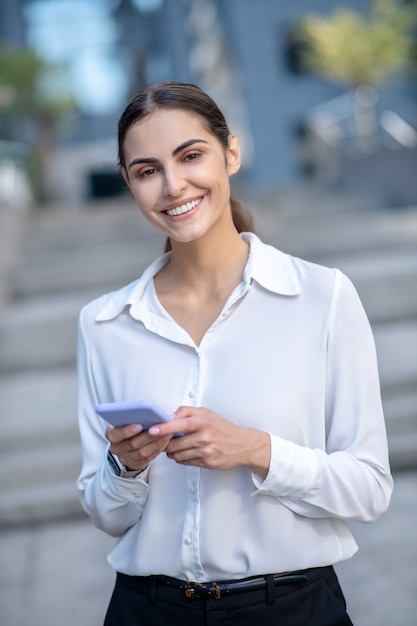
(114, 504)
(350, 478)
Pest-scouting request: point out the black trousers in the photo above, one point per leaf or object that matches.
(319, 601)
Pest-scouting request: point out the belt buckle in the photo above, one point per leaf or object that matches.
(193, 591)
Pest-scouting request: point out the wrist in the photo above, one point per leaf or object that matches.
(121, 470)
(260, 452)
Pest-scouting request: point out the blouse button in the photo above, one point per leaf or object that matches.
(188, 540)
(191, 394)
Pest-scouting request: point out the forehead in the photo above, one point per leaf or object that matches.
(166, 129)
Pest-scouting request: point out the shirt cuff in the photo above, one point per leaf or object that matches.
(293, 471)
(131, 489)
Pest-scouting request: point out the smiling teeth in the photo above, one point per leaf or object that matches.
(179, 210)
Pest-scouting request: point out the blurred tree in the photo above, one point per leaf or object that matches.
(33, 102)
(350, 48)
(362, 52)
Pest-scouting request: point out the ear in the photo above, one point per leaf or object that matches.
(233, 157)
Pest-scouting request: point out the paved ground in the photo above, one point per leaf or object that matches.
(54, 568)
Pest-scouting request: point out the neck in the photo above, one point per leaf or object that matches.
(207, 262)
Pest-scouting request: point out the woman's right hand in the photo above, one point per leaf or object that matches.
(134, 447)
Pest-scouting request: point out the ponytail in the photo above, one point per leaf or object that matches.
(242, 219)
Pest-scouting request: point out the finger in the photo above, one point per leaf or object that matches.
(177, 427)
(187, 411)
(109, 429)
(188, 457)
(137, 458)
(133, 444)
(115, 435)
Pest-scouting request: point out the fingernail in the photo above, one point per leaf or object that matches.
(154, 430)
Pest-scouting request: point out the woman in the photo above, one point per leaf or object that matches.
(267, 363)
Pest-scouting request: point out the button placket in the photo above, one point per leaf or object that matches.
(195, 386)
(191, 531)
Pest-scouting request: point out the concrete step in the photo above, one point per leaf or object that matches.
(107, 266)
(12, 227)
(101, 248)
(49, 464)
(306, 199)
(339, 234)
(396, 346)
(40, 454)
(63, 229)
(38, 409)
(39, 335)
(386, 281)
(400, 408)
(39, 503)
(403, 450)
(72, 257)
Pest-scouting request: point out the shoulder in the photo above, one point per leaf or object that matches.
(322, 281)
(114, 301)
(314, 274)
(111, 305)
(285, 274)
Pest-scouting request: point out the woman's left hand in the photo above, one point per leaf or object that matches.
(212, 442)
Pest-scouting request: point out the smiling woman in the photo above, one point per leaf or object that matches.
(267, 364)
(186, 98)
(181, 186)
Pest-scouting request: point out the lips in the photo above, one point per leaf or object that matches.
(183, 208)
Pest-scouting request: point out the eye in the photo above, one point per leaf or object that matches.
(192, 156)
(145, 173)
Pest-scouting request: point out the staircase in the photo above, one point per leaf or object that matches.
(69, 257)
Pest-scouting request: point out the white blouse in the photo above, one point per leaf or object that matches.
(292, 354)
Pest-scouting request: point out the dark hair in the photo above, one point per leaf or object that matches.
(188, 97)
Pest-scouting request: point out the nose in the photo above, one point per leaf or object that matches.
(174, 183)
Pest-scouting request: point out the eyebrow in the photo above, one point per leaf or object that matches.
(179, 148)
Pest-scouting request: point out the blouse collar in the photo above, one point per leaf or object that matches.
(272, 269)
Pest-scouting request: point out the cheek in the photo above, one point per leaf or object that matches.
(145, 195)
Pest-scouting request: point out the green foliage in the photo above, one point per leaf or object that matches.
(28, 88)
(347, 47)
(34, 100)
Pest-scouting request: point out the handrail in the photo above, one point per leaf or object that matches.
(400, 130)
(329, 121)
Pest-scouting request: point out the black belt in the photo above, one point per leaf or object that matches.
(229, 587)
(176, 588)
